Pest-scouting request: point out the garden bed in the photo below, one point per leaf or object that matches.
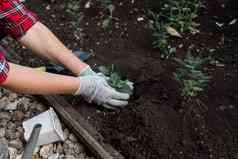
(158, 122)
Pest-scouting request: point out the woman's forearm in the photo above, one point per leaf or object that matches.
(43, 42)
(27, 80)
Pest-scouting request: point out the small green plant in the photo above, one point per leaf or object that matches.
(161, 37)
(73, 7)
(115, 80)
(108, 7)
(191, 76)
(180, 14)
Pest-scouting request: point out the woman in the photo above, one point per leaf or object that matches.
(20, 23)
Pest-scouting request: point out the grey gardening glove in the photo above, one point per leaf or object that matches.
(96, 89)
(88, 71)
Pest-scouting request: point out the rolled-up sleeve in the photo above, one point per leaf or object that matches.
(15, 18)
(4, 66)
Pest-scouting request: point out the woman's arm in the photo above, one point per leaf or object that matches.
(92, 88)
(27, 80)
(43, 42)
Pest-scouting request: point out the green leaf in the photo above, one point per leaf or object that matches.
(104, 70)
(125, 89)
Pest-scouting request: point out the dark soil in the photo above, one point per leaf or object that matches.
(158, 122)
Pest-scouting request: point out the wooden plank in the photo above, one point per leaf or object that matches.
(82, 129)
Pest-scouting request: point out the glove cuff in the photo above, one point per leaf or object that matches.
(87, 71)
(86, 88)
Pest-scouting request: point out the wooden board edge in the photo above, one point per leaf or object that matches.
(82, 129)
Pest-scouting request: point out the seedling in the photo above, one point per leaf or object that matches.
(181, 14)
(115, 80)
(191, 76)
(161, 37)
(73, 7)
(109, 7)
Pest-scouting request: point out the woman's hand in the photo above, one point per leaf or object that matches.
(95, 89)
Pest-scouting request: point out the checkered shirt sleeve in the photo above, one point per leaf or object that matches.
(15, 18)
(4, 67)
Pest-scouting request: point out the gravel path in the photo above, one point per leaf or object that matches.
(16, 108)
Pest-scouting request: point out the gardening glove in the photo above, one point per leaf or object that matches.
(88, 71)
(96, 89)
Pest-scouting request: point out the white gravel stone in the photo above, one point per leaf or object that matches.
(66, 134)
(3, 102)
(73, 138)
(68, 147)
(78, 148)
(11, 126)
(69, 157)
(5, 115)
(19, 156)
(3, 122)
(12, 97)
(46, 151)
(54, 156)
(16, 144)
(2, 132)
(12, 134)
(25, 102)
(18, 116)
(60, 149)
(11, 106)
(81, 156)
(12, 152)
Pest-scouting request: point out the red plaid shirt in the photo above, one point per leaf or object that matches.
(15, 20)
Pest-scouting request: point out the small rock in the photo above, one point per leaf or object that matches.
(54, 156)
(139, 19)
(3, 122)
(12, 97)
(73, 138)
(69, 143)
(18, 116)
(78, 148)
(46, 151)
(3, 141)
(2, 132)
(3, 102)
(60, 149)
(27, 114)
(11, 126)
(5, 115)
(19, 156)
(69, 157)
(61, 156)
(81, 156)
(12, 134)
(68, 147)
(36, 156)
(16, 144)
(11, 106)
(20, 130)
(12, 153)
(54, 148)
(87, 5)
(66, 134)
(40, 107)
(37, 149)
(24, 104)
